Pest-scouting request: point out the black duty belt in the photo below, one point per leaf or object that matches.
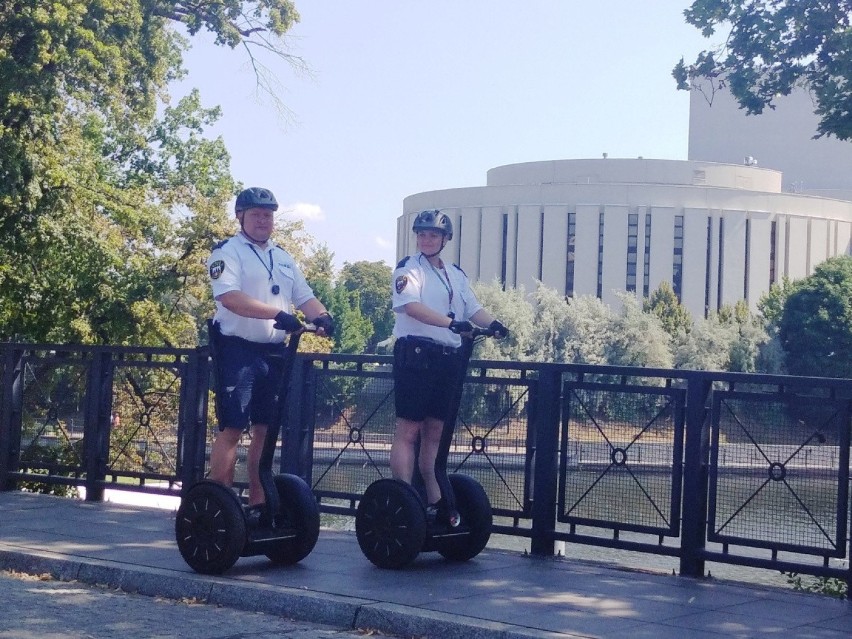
(428, 345)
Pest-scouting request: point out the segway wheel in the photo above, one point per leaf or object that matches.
(210, 528)
(390, 523)
(476, 516)
(300, 512)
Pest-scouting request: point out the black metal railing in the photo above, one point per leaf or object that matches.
(736, 468)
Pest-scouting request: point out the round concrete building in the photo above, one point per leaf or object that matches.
(718, 233)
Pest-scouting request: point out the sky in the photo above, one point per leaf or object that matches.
(403, 97)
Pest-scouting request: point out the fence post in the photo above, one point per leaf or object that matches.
(695, 477)
(97, 425)
(10, 414)
(545, 425)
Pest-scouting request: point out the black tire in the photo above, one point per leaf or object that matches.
(299, 511)
(390, 523)
(210, 528)
(476, 516)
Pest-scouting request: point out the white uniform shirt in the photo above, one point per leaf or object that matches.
(238, 265)
(416, 280)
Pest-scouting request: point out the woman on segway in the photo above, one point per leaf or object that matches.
(433, 305)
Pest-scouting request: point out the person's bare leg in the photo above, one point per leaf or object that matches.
(255, 451)
(223, 456)
(430, 441)
(402, 450)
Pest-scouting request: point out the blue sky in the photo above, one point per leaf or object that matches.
(405, 97)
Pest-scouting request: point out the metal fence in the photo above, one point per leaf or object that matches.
(737, 468)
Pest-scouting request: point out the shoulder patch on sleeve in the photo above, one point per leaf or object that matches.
(216, 269)
(400, 283)
(460, 268)
(403, 261)
(219, 245)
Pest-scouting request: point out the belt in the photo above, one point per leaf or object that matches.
(429, 345)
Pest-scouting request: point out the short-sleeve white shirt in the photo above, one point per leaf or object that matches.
(443, 290)
(238, 265)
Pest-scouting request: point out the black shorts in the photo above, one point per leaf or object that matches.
(248, 379)
(424, 377)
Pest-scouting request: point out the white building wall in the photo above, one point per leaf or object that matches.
(818, 243)
(662, 246)
(586, 250)
(780, 248)
(541, 195)
(529, 247)
(797, 248)
(844, 238)
(554, 247)
(491, 243)
(694, 260)
(512, 248)
(469, 242)
(733, 257)
(758, 257)
(614, 254)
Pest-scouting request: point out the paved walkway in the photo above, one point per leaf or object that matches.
(498, 595)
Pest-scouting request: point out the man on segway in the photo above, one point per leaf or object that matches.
(255, 283)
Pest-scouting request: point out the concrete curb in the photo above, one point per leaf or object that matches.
(300, 605)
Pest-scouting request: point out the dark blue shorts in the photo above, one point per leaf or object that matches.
(248, 380)
(424, 378)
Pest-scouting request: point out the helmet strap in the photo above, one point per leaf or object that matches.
(443, 244)
(243, 231)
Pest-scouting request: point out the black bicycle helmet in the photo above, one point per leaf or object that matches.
(433, 220)
(256, 197)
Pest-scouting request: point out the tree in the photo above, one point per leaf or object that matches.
(638, 338)
(816, 326)
(774, 46)
(106, 208)
(664, 304)
(369, 284)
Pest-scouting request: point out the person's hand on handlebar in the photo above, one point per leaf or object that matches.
(498, 329)
(286, 322)
(459, 327)
(324, 323)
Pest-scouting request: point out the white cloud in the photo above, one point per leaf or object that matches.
(304, 211)
(382, 242)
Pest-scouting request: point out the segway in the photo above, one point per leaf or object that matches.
(391, 522)
(213, 528)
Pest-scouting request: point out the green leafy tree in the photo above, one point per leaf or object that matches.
(107, 209)
(664, 304)
(369, 284)
(771, 304)
(638, 338)
(772, 47)
(816, 326)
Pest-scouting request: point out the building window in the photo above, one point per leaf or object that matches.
(708, 260)
(721, 269)
(747, 252)
(504, 249)
(632, 247)
(600, 253)
(569, 260)
(646, 275)
(773, 238)
(677, 257)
